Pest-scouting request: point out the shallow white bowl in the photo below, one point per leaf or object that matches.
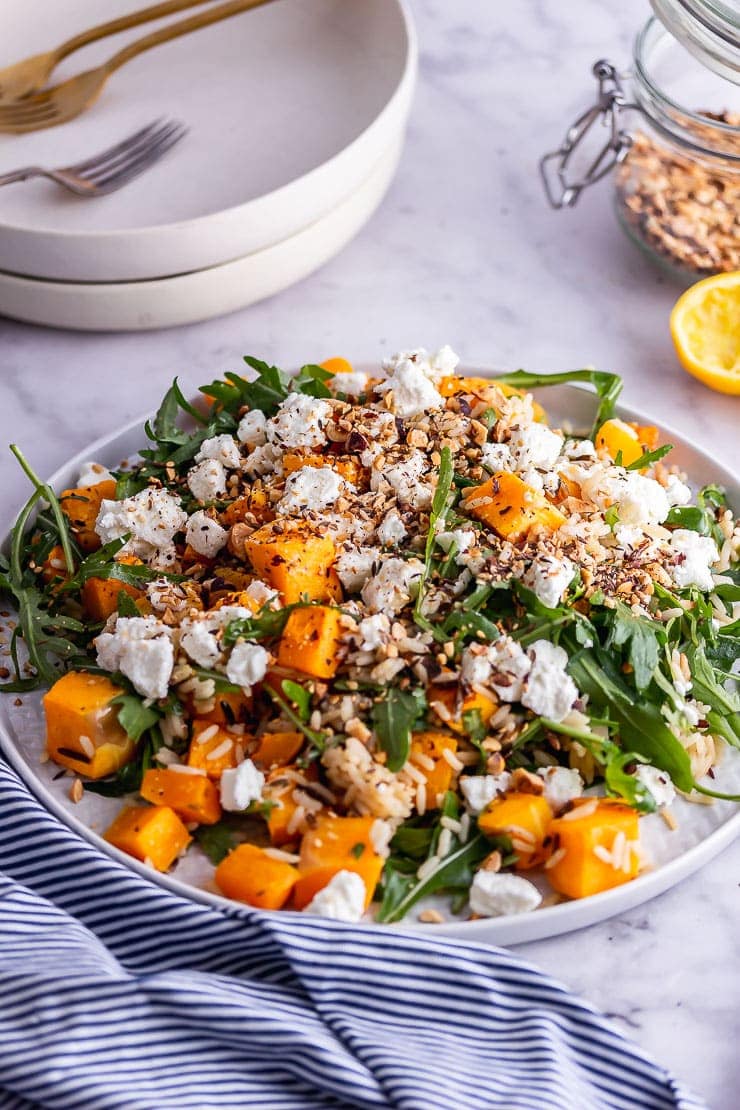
(169, 302)
(290, 107)
(703, 830)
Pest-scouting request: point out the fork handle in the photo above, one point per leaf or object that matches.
(183, 27)
(133, 19)
(20, 175)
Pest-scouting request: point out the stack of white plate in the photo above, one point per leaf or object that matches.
(296, 112)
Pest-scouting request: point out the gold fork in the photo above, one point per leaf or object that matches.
(30, 74)
(65, 101)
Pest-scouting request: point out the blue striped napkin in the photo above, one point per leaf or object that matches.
(118, 994)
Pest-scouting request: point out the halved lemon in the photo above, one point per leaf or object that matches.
(705, 325)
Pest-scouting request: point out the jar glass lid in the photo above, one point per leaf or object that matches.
(710, 29)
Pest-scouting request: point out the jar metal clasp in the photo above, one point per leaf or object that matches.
(563, 187)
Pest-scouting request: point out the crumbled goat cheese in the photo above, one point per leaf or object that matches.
(497, 894)
(642, 501)
(628, 537)
(263, 460)
(299, 422)
(393, 586)
(247, 664)
(251, 430)
(497, 457)
(207, 480)
(205, 535)
(404, 479)
(312, 488)
(678, 492)
(373, 631)
(198, 634)
(92, 473)
(550, 691)
(480, 790)
(152, 517)
(413, 392)
(342, 899)
(224, 448)
(510, 666)
(351, 384)
(562, 785)
(141, 649)
(475, 668)
(580, 449)
(463, 539)
(657, 782)
(535, 445)
(549, 577)
(440, 364)
(260, 593)
(391, 530)
(694, 555)
(240, 786)
(354, 566)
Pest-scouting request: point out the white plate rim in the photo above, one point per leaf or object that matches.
(162, 302)
(313, 193)
(544, 923)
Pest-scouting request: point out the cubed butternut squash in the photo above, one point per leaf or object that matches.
(432, 746)
(335, 844)
(648, 435)
(82, 505)
(249, 874)
(310, 641)
(525, 819)
(100, 595)
(276, 749)
(82, 729)
(294, 559)
(348, 468)
(279, 791)
(255, 503)
(54, 566)
(152, 834)
(511, 507)
(337, 366)
(595, 846)
(447, 704)
(615, 439)
(213, 749)
(193, 797)
(230, 708)
(485, 389)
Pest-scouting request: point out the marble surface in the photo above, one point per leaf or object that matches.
(465, 251)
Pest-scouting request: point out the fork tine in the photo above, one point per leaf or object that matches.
(98, 159)
(23, 114)
(107, 166)
(141, 162)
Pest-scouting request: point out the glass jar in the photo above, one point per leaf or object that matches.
(672, 145)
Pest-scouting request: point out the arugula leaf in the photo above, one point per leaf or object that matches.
(707, 689)
(134, 717)
(641, 724)
(607, 386)
(164, 428)
(402, 890)
(613, 761)
(436, 516)
(639, 636)
(126, 605)
(266, 624)
(311, 380)
(394, 718)
(702, 517)
(649, 457)
(300, 697)
(318, 739)
(216, 840)
(413, 839)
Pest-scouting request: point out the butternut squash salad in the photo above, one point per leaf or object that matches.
(367, 639)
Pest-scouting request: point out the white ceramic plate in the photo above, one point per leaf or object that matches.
(289, 106)
(703, 830)
(188, 298)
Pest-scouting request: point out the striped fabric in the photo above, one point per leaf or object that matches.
(116, 993)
